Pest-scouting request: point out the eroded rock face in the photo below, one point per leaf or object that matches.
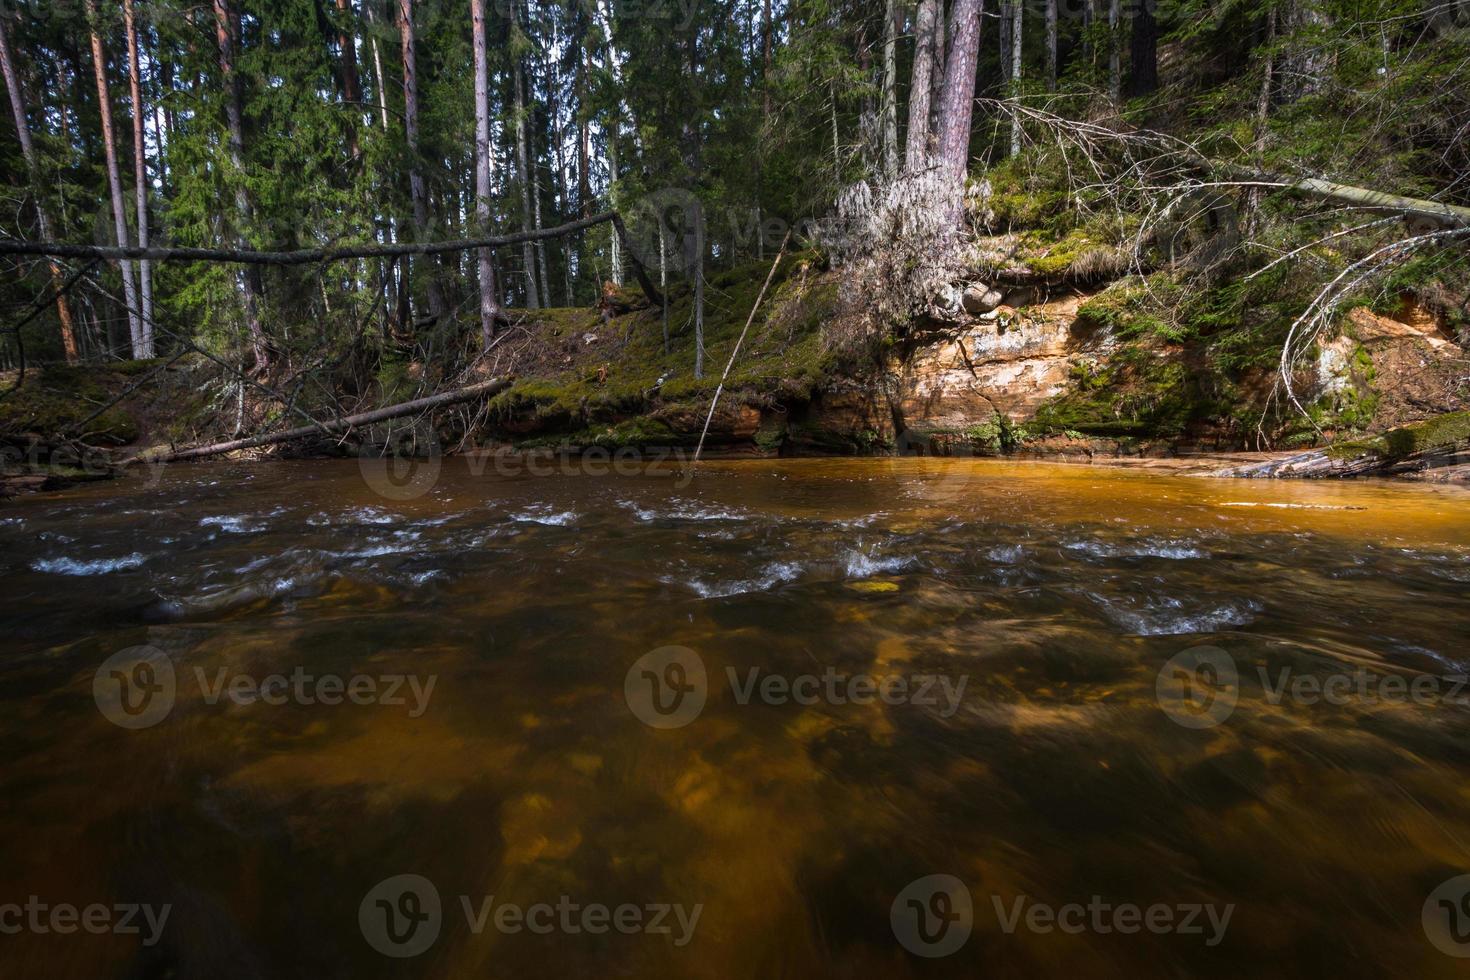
(1006, 361)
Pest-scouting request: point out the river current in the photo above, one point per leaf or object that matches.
(862, 718)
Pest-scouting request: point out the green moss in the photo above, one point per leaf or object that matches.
(1056, 258)
(1142, 392)
(1437, 433)
(1136, 308)
(782, 359)
(57, 398)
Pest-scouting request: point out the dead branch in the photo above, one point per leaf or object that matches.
(484, 389)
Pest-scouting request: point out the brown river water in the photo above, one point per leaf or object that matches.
(319, 719)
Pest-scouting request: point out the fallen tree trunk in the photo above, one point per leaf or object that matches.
(1435, 212)
(308, 256)
(483, 389)
(1432, 444)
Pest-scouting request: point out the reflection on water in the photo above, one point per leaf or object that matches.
(792, 806)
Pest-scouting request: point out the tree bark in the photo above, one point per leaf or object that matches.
(140, 182)
(418, 190)
(1017, 34)
(351, 81)
(528, 253)
(1143, 67)
(766, 59)
(917, 145)
(1115, 52)
(891, 17)
(490, 312)
(699, 298)
(958, 102)
(1306, 60)
(1051, 45)
(43, 218)
(226, 32)
(114, 180)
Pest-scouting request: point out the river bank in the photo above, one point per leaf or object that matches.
(1052, 360)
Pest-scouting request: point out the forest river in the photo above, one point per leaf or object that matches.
(865, 718)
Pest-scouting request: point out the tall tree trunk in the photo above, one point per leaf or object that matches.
(140, 182)
(1143, 62)
(163, 85)
(766, 59)
(1089, 15)
(1017, 34)
(114, 181)
(1003, 41)
(699, 246)
(936, 75)
(926, 27)
(380, 80)
(417, 189)
(490, 313)
(1253, 195)
(536, 217)
(1306, 59)
(959, 94)
(1115, 52)
(562, 185)
(614, 241)
(1263, 100)
(248, 279)
(891, 25)
(528, 252)
(351, 81)
(1051, 45)
(388, 270)
(43, 218)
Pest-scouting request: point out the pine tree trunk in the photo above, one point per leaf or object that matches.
(351, 82)
(248, 280)
(1306, 60)
(28, 152)
(959, 94)
(114, 181)
(417, 188)
(140, 183)
(380, 80)
(160, 130)
(489, 309)
(1019, 10)
(536, 221)
(562, 184)
(699, 299)
(766, 59)
(936, 76)
(528, 252)
(917, 145)
(890, 89)
(1115, 49)
(614, 241)
(1051, 45)
(1143, 62)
